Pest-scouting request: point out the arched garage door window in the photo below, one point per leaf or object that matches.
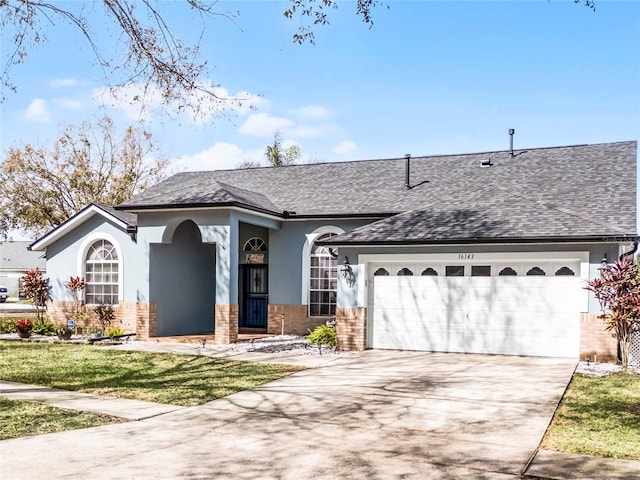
(101, 271)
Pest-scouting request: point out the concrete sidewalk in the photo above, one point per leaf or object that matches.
(569, 466)
(116, 407)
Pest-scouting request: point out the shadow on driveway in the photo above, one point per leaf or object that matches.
(375, 415)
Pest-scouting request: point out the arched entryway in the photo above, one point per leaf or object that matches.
(182, 278)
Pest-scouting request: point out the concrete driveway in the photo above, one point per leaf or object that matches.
(374, 415)
(15, 307)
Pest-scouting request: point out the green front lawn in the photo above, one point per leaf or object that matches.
(155, 377)
(598, 416)
(23, 419)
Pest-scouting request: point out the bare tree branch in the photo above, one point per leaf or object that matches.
(42, 187)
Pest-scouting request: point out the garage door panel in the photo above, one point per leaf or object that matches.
(508, 315)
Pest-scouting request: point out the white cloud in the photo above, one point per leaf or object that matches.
(37, 111)
(68, 103)
(312, 112)
(344, 148)
(290, 143)
(140, 102)
(64, 82)
(309, 131)
(238, 104)
(263, 125)
(135, 101)
(221, 156)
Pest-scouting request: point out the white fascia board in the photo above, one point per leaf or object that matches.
(142, 211)
(73, 222)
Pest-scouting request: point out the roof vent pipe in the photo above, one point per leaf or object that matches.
(511, 132)
(407, 171)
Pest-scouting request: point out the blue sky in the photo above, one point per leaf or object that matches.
(429, 77)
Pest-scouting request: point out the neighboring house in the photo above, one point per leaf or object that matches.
(15, 260)
(478, 253)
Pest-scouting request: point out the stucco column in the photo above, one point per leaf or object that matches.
(226, 311)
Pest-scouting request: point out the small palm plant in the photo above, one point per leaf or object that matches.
(36, 288)
(106, 315)
(75, 285)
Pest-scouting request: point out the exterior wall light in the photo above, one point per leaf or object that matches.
(604, 263)
(347, 273)
(346, 269)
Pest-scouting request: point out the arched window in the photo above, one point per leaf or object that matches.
(381, 272)
(323, 280)
(507, 271)
(405, 272)
(565, 271)
(429, 272)
(101, 272)
(254, 250)
(255, 244)
(536, 271)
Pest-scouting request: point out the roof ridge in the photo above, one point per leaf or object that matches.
(387, 159)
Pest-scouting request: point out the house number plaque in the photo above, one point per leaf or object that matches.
(254, 258)
(465, 256)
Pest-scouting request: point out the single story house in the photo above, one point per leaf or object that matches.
(480, 253)
(15, 260)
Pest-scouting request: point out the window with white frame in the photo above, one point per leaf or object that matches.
(323, 280)
(101, 273)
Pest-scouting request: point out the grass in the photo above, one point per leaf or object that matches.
(155, 377)
(598, 416)
(21, 419)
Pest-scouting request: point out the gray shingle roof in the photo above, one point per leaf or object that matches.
(201, 189)
(583, 190)
(17, 256)
(126, 217)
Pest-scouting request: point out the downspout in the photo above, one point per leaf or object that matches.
(631, 252)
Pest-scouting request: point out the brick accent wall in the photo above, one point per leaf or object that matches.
(130, 316)
(127, 316)
(595, 340)
(226, 324)
(58, 311)
(146, 320)
(296, 320)
(351, 328)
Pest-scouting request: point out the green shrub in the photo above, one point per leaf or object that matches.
(114, 331)
(323, 335)
(8, 325)
(44, 327)
(106, 315)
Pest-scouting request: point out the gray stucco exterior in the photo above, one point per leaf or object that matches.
(65, 257)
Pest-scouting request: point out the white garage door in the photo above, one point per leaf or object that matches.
(514, 309)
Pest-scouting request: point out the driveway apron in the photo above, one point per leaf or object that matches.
(374, 415)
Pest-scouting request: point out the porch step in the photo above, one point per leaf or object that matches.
(209, 337)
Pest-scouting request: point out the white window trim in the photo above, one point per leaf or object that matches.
(306, 258)
(84, 249)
